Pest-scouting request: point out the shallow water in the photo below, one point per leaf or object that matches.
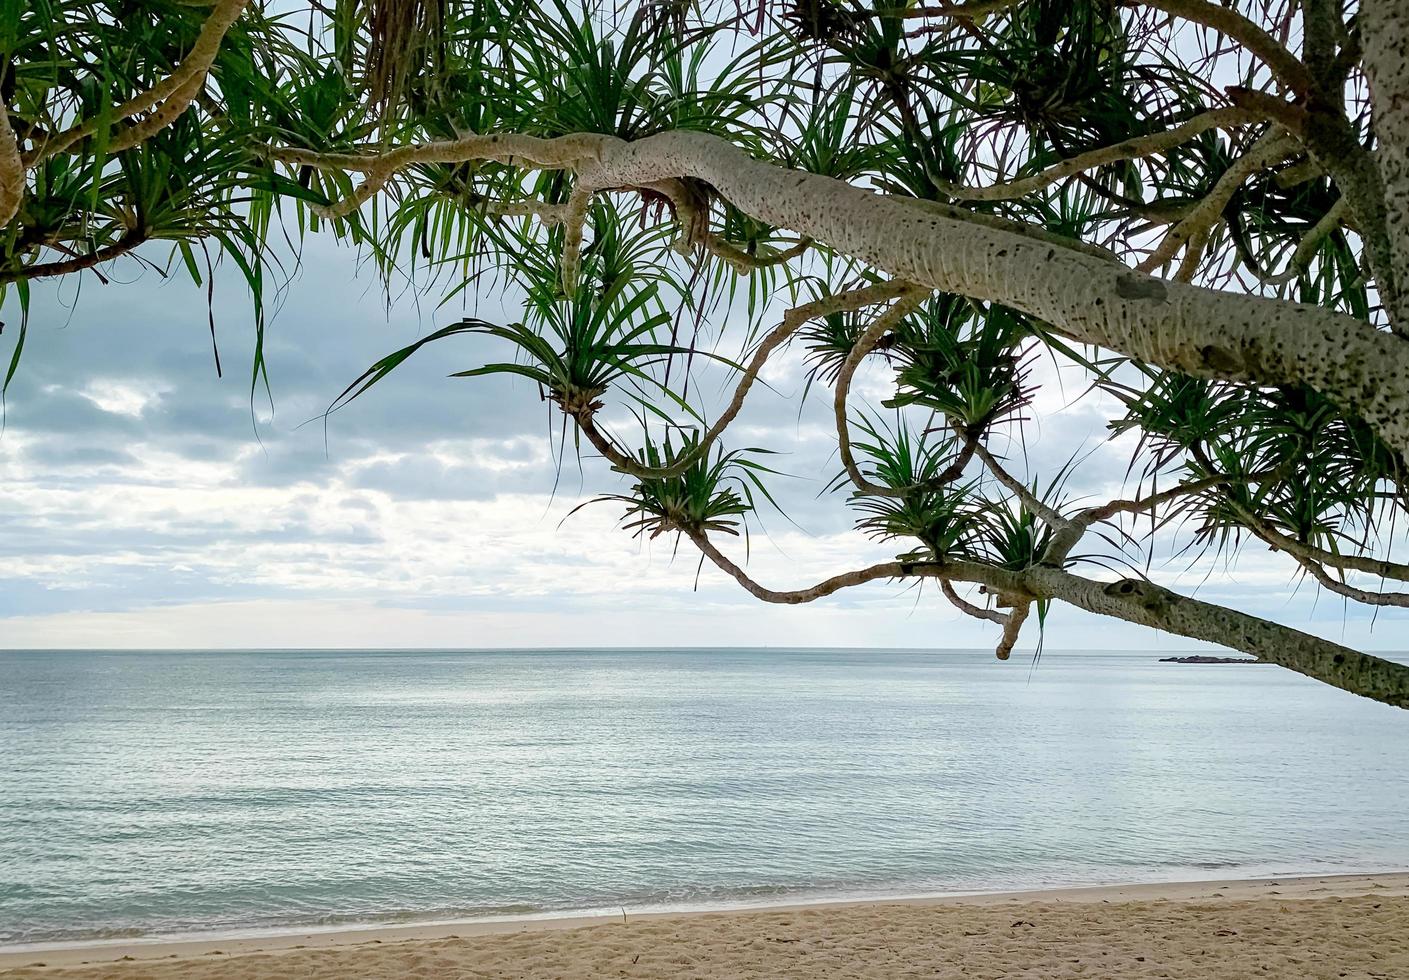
(161, 793)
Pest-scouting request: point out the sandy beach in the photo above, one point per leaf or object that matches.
(1345, 926)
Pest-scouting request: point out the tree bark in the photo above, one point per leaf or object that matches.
(1385, 38)
(1198, 331)
(1135, 601)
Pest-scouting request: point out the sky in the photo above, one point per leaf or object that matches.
(144, 504)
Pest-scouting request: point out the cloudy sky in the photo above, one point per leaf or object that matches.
(141, 504)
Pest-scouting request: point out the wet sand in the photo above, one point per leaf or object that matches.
(1345, 926)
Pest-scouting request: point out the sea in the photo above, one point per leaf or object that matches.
(179, 793)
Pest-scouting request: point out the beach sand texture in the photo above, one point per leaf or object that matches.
(1344, 927)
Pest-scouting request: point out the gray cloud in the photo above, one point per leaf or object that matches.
(145, 496)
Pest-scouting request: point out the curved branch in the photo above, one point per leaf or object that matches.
(373, 184)
(1227, 21)
(904, 305)
(965, 12)
(745, 262)
(182, 83)
(972, 10)
(1012, 622)
(1045, 513)
(1133, 601)
(1154, 501)
(1067, 537)
(872, 573)
(160, 118)
(1132, 149)
(574, 217)
(968, 608)
(853, 299)
(1303, 552)
(1270, 148)
(1332, 584)
(1012, 628)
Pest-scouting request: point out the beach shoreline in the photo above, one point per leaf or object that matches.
(1392, 887)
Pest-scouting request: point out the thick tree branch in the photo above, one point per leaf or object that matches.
(1138, 601)
(1035, 232)
(1012, 628)
(1319, 121)
(11, 170)
(1201, 332)
(1385, 37)
(1131, 600)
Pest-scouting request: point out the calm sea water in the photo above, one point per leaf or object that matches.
(163, 793)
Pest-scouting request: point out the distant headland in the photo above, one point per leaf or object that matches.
(1204, 659)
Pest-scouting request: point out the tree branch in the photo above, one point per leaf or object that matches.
(1131, 600)
(574, 217)
(744, 262)
(1138, 601)
(1304, 552)
(905, 304)
(1385, 37)
(1154, 501)
(1012, 627)
(968, 608)
(1137, 148)
(11, 170)
(1269, 149)
(1227, 21)
(1045, 513)
(179, 87)
(1201, 332)
(1332, 584)
(1300, 261)
(793, 319)
(78, 263)
(972, 10)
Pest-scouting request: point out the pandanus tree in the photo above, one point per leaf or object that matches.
(1202, 205)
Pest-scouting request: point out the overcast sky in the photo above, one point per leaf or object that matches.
(142, 506)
